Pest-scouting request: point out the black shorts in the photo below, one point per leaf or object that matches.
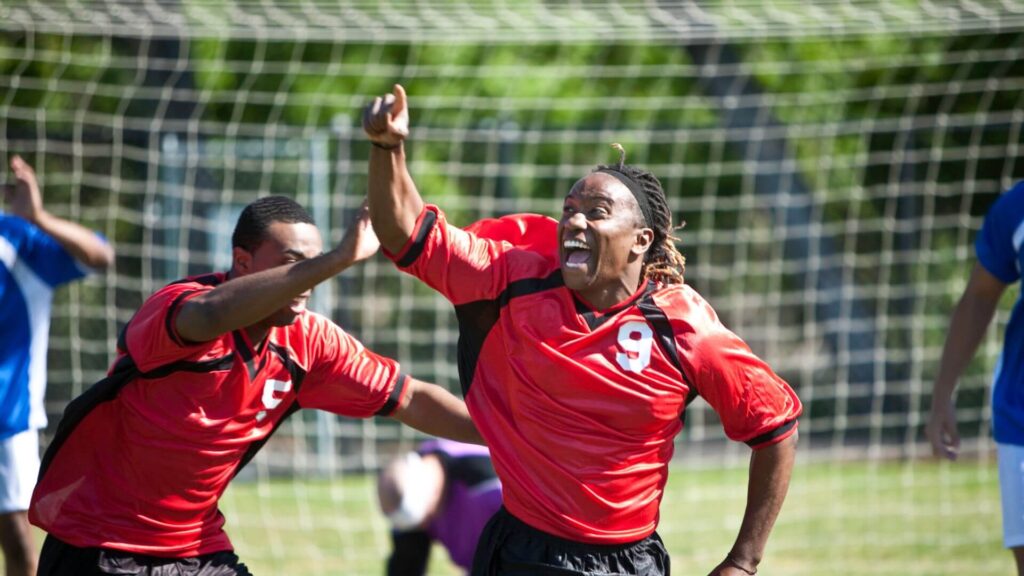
(509, 547)
(62, 559)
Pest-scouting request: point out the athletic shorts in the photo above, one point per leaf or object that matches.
(1011, 488)
(19, 466)
(509, 547)
(59, 558)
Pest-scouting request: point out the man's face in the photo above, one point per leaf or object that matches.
(602, 239)
(284, 243)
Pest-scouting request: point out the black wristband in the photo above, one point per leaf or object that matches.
(729, 560)
(385, 146)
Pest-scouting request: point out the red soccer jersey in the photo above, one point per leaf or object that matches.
(580, 407)
(142, 458)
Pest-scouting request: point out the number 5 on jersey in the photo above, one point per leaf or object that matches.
(635, 341)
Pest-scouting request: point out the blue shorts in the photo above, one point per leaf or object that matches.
(1011, 489)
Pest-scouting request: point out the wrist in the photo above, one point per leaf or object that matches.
(386, 146)
(746, 565)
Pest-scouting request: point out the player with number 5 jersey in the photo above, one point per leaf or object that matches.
(580, 347)
(206, 371)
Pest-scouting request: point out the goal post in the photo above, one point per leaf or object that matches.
(832, 162)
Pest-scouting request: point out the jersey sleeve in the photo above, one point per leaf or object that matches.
(474, 264)
(151, 338)
(755, 405)
(348, 379)
(1001, 236)
(48, 258)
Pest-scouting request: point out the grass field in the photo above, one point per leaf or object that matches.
(891, 518)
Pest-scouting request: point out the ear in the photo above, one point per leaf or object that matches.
(643, 241)
(241, 261)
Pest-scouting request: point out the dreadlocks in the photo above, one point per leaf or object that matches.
(663, 262)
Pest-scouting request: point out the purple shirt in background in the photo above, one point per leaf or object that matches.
(472, 496)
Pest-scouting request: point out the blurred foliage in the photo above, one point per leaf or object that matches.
(504, 122)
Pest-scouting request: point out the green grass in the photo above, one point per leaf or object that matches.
(851, 519)
(893, 518)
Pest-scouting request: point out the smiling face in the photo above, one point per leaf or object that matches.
(602, 240)
(283, 243)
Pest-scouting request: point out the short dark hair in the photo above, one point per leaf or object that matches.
(251, 229)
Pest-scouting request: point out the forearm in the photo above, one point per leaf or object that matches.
(431, 409)
(770, 471)
(966, 330)
(394, 201)
(83, 244)
(246, 300)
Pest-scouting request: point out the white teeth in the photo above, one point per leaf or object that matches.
(575, 245)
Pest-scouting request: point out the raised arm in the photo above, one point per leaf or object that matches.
(394, 201)
(966, 329)
(248, 299)
(25, 199)
(770, 471)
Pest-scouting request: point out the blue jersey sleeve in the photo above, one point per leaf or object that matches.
(999, 241)
(47, 258)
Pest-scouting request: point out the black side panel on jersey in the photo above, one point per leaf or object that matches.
(477, 318)
(76, 410)
(666, 338)
(298, 374)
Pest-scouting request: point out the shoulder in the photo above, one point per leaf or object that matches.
(1009, 204)
(681, 301)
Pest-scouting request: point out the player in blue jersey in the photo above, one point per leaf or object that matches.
(444, 492)
(38, 251)
(1000, 258)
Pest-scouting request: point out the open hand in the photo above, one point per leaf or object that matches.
(360, 242)
(23, 198)
(942, 432)
(386, 118)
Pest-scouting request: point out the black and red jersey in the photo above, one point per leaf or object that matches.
(141, 458)
(580, 407)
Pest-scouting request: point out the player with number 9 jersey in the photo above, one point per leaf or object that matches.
(579, 348)
(588, 401)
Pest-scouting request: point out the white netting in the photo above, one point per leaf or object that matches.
(832, 161)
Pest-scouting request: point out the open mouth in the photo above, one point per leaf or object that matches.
(576, 253)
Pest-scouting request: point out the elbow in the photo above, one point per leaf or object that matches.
(101, 258)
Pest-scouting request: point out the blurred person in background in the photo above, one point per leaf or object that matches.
(206, 370)
(39, 252)
(998, 249)
(579, 348)
(442, 492)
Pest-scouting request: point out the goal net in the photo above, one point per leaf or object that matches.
(832, 161)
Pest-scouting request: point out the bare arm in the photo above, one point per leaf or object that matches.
(967, 327)
(394, 201)
(432, 409)
(770, 471)
(26, 200)
(248, 299)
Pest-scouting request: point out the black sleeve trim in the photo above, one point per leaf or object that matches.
(169, 319)
(396, 395)
(419, 240)
(769, 436)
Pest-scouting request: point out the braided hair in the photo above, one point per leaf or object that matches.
(663, 262)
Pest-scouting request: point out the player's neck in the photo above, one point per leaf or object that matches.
(611, 296)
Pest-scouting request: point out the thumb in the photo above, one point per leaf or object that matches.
(400, 101)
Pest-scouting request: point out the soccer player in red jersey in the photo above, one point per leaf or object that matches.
(579, 348)
(206, 370)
